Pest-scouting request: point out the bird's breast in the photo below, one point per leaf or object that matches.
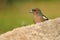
(38, 18)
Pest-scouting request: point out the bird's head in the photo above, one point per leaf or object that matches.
(36, 11)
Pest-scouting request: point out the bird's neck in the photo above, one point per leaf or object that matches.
(38, 14)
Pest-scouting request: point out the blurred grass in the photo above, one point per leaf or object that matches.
(12, 16)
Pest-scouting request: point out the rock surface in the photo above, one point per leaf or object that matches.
(48, 30)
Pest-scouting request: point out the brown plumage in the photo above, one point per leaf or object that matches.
(38, 16)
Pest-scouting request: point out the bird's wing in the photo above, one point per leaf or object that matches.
(45, 17)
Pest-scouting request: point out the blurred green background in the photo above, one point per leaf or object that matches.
(14, 12)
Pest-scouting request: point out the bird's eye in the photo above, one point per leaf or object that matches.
(33, 10)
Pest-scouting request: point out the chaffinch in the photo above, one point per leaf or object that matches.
(38, 15)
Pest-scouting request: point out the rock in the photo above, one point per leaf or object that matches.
(48, 30)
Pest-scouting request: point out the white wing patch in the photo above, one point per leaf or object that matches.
(44, 17)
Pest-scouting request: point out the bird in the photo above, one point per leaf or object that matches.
(38, 16)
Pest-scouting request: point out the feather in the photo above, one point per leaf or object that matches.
(45, 17)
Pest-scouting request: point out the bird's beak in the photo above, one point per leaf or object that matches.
(30, 11)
